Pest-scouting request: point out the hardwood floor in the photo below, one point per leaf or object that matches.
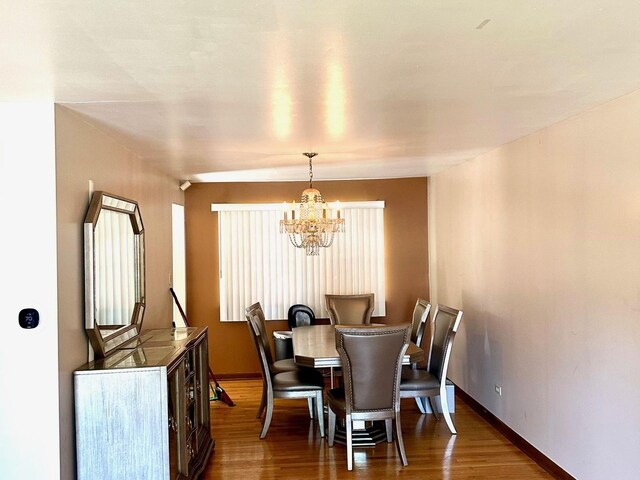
(293, 448)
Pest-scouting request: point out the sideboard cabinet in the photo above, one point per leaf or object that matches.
(143, 411)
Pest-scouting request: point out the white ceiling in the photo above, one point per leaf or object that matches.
(216, 90)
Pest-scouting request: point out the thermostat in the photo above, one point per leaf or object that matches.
(29, 318)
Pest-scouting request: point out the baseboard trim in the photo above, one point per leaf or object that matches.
(532, 452)
(238, 376)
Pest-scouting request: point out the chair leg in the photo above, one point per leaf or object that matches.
(310, 404)
(320, 412)
(399, 441)
(388, 423)
(349, 432)
(332, 427)
(263, 401)
(445, 413)
(420, 403)
(434, 406)
(267, 418)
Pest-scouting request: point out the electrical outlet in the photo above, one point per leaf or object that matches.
(498, 389)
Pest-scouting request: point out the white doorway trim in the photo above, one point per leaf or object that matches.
(179, 277)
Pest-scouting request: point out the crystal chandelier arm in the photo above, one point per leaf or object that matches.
(295, 241)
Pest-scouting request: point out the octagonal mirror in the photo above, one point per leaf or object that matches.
(114, 272)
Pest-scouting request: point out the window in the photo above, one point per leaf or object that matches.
(259, 264)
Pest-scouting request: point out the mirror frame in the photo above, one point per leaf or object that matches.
(103, 345)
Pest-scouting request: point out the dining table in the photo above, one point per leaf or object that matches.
(315, 346)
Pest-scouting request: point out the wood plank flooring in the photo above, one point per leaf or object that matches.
(294, 449)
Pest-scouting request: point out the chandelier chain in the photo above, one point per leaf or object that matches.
(310, 156)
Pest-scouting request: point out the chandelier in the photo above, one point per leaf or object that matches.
(311, 226)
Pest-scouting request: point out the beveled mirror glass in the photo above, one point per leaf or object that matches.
(114, 271)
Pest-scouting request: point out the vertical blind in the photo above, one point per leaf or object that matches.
(259, 264)
(115, 274)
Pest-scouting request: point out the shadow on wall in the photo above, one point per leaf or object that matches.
(482, 377)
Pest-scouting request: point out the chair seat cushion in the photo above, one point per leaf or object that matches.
(418, 380)
(284, 365)
(298, 380)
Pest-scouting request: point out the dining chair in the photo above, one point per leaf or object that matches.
(371, 363)
(419, 320)
(275, 366)
(350, 309)
(299, 383)
(418, 324)
(429, 383)
(300, 315)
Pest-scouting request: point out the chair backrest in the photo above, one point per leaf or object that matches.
(255, 314)
(300, 315)
(255, 328)
(350, 309)
(371, 364)
(419, 321)
(444, 326)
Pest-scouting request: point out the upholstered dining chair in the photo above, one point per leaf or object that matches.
(350, 309)
(275, 366)
(299, 383)
(432, 381)
(418, 324)
(371, 363)
(419, 320)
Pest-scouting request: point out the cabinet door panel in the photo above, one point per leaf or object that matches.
(135, 430)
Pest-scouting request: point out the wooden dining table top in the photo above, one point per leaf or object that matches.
(315, 346)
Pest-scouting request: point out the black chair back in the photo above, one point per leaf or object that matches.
(300, 316)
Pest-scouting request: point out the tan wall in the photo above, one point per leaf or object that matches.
(231, 350)
(85, 153)
(539, 243)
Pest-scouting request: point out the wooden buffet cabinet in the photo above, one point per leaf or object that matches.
(143, 411)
